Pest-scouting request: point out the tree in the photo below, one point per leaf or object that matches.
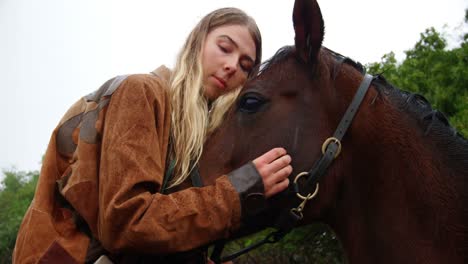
(16, 194)
(430, 69)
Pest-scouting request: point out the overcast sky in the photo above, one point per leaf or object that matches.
(52, 52)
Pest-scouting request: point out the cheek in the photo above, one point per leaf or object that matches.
(208, 59)
(205, 63)
(240, 80)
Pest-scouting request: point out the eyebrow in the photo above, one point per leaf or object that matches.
(237, 46)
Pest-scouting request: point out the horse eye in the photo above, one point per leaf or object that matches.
(250, 103)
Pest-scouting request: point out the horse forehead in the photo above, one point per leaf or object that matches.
(279, 77)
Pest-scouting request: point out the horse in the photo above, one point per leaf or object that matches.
(396, 193)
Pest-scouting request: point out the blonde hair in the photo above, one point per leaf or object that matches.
(190, 116)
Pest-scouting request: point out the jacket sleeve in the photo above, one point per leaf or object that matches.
(133, 216)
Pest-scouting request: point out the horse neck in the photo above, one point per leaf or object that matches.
(397, 201)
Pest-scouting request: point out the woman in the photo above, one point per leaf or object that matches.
(99, 192)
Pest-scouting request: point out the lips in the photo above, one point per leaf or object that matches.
(220, 82)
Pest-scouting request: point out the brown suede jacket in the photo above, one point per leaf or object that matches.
(104, 167)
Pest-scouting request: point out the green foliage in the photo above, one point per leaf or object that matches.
(16, 193)
(430, 69)
(315, 243)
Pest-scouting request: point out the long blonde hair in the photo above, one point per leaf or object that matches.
(190, 117)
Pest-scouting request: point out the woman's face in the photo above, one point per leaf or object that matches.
(228, 56)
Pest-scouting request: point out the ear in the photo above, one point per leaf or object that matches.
(309, 28)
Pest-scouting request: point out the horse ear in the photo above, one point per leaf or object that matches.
(309, 28)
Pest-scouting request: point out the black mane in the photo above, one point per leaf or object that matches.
(419, 107)
(279, 56)
(343, 59)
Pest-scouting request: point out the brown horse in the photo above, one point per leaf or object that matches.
(398, 191)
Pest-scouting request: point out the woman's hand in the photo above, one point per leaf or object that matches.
(274, 168)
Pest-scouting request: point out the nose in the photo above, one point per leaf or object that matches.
(230, 65)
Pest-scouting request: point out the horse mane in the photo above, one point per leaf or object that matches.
(279, 56)
(286, 51)
(419, 107)
(433, 124)
(341, 59)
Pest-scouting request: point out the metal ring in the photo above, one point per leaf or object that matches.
(300, 175)
(310, 195)
(328, 141)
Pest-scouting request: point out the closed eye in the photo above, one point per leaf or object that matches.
(250, 103)
(223, 49)
(246, 65)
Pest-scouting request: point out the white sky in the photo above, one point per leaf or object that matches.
(52, 52)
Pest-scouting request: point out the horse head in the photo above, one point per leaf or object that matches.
(292, 103)
(387, 193)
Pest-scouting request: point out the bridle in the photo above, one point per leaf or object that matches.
(331, 148)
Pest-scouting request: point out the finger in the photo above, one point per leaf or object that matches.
(281, 186)
(279, 163)
(270, 156)
(279, 176)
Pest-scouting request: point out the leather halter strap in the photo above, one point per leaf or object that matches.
(196, 178)
(288, 219)
(334, 147)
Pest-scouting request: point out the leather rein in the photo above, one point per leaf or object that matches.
(331, 148)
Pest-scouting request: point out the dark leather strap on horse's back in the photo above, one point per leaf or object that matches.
(196, 179)
(167, 176)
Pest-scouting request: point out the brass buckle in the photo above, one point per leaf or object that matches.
(330, 140)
